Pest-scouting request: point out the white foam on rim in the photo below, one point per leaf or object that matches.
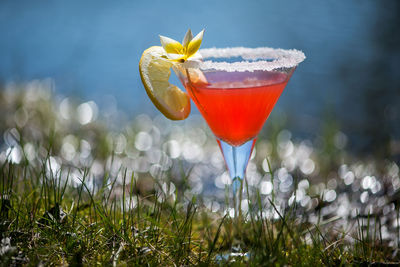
(267, 59)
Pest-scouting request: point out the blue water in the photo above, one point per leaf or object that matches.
(92, 48)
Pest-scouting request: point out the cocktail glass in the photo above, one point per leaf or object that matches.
(235, 90)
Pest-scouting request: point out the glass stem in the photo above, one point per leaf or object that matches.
(237, 189)
(236, 159)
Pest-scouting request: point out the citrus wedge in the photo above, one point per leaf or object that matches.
(197, 77)
(155, 71)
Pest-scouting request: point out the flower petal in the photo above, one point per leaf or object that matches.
(176, 57)
(194, 44)
(188, 37)
(170, 45)
(196, 57)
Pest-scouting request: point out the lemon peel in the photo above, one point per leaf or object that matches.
(155, 71)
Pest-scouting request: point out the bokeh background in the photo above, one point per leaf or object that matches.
(91, 50)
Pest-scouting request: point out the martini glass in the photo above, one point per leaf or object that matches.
(235, 90)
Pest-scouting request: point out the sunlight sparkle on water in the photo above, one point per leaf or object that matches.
(265, 166)
(330, 195)
(14, 154)
(143, 141)
(87, 112)
(223, 180)
(364, 197)
(173, 149)
(192, 152)
(65, 109)
(307, 167)
(266, 187)
(303, 184)
(348, 178)
(30, 151)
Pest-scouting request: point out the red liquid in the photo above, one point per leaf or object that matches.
(234, 107)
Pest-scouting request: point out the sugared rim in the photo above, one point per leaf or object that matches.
(267, 59)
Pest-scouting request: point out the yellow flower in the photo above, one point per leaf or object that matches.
(182, 52)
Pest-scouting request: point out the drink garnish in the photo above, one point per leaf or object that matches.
(182, 52)
(155, 70)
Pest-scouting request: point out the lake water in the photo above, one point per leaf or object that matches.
(92, 49)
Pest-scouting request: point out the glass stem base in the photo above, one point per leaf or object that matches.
(236, 160)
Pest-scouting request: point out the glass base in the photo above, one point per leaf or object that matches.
(236, 254)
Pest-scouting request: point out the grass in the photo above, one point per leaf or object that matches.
(58, 209)
(47, 221)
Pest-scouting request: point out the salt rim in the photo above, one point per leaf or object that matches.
(281, 58)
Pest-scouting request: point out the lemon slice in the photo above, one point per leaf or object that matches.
(155, 70)
(197, 77)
